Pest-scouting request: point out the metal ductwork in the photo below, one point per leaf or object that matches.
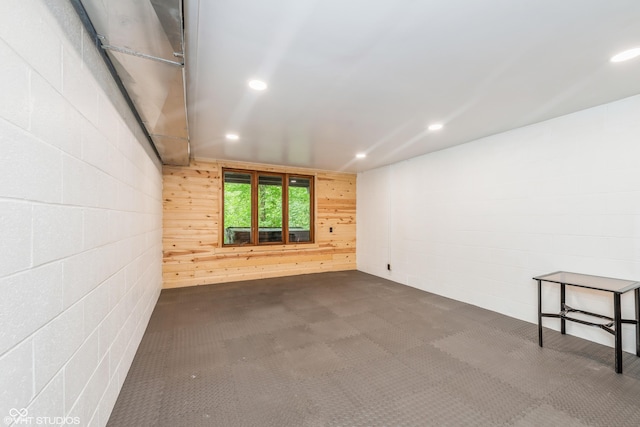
(144, 42)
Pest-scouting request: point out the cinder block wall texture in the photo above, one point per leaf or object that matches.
(80, 221)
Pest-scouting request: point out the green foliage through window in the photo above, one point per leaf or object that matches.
(299, 207)
(237, 207)
(269, 203)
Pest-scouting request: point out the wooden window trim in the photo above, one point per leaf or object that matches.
(255, 237)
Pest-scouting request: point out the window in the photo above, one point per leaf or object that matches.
(261, 208)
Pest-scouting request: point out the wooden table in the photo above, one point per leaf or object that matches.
(613, 325)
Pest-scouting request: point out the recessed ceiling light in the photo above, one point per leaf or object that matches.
(435, 126)
(626, 55)
(361, 156)
(257, 85)
(232, 137)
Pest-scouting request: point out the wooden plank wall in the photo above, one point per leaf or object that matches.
(192, 247)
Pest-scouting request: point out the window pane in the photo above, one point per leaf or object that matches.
(237, 208)
(269, 208)
(299, 209)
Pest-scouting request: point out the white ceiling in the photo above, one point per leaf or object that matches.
(350, 76)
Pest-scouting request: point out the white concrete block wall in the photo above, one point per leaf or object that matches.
(476, 222)
(80, 220)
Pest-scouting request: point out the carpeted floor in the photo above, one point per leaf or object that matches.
(351, 349)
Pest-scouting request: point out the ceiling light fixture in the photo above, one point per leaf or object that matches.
(435, 126)
(626, 55)
(257, 85)
(232, 137)
(361, 156)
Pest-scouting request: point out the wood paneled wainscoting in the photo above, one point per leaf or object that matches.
(192, 241)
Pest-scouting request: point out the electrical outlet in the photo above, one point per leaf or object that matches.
(389, 267)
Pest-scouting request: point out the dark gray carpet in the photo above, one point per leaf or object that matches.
(351, 349)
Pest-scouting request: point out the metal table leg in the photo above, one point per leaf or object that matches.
(637, 298)
(563, 323)
(540, 313)
(617, 316)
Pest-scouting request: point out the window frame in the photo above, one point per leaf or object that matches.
(255, 231)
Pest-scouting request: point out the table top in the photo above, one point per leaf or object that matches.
(600, 283)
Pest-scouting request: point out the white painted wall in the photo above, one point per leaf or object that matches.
(476, 222)
(80, 220)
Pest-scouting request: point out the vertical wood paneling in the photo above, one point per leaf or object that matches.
(192, 250)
